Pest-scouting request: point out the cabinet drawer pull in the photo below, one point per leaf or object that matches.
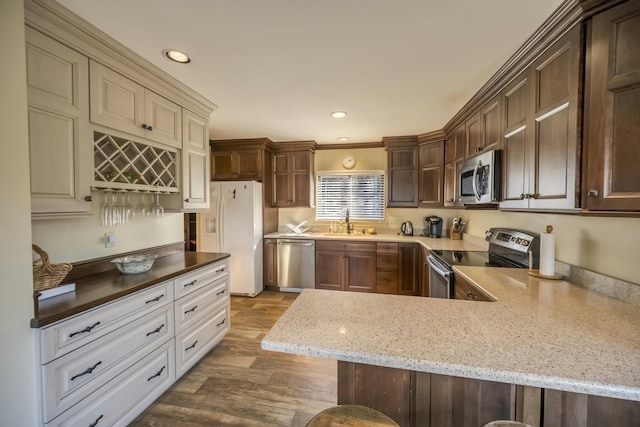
(472, 295)
(191, 346)
(186, 200)
(144, 126)
(191, 283)
(191, 309)
(95, 423)
(221, 292)
(592, 193)
(149, 127)
(522, 196)
(221, 323)
(223, 268)
(156, 330)
(157, 374)
(87, 371)
(156, 299)
(87, 329)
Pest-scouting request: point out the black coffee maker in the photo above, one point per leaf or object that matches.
(433, 226)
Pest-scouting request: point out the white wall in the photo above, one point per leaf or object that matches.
(18, 393)
(607, 245)
(82, 238)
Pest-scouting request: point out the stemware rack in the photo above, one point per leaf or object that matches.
(124, 165)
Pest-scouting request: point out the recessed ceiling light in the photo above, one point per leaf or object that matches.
(343, 139)
(338, 114)
(176, 56)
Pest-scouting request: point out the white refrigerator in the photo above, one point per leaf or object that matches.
(234, 225)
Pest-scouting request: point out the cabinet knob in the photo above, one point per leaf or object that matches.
(523, 196)
(144, 126)
(472, 296)
(186, 200)
(592, 193)
(88, 198)
(479, 149)
(450, 201)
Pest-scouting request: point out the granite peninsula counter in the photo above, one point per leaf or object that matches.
(539, 333)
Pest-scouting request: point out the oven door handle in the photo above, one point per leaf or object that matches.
(437, 267)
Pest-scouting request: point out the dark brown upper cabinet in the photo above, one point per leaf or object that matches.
(240, 159)
(612, 110)
(431, 174)
(541, 130)
(454, 149)
(402, 167)
(293, 178)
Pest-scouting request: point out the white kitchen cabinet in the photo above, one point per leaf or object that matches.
(122, 104)
(60, 148)
(107, 364)
(196, 173)
(202, 310)
(121, 400)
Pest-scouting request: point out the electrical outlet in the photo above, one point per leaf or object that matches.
(110, 239)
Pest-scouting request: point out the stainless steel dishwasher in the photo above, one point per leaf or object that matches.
(296, 263)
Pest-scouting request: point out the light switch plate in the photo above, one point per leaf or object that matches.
(110, 239)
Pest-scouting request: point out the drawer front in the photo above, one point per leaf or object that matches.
(463, 289)
(195, 280)
(360, 246)
(330, 245)
(345, 245)
(387, 261)
(387, 248)
(120, 400)
(70, 334)
(197, 305)
(70, 378)
(195, 342)
(387, 282)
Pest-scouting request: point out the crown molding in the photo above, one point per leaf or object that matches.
(433, 136)
(395, 141)
(559, 23)
(350, 146)
(295, 146)
(242, 144)
(56, 21)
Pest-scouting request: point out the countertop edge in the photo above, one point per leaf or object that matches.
(40, 322)
(532, 380)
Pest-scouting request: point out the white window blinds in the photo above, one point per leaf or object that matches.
(362, 193)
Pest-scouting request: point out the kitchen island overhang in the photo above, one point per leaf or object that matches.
(539, 333)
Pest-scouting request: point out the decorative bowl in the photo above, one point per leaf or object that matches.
(134, 264)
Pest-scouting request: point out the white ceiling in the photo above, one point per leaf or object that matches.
(277, 68)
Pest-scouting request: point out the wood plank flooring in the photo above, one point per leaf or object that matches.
(238, 384)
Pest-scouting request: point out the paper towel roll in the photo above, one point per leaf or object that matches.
(547, 254)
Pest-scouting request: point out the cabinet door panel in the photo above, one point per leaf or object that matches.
(270, 263)
(281, 180)
(403, 177)
(491, 126)
(613, 152)
(116, 101)
(515, 170)
(409, 265)
(301, 179)
(195, 162)
(430, 183)
(473, 129)
(552, 157)
(224, 165)
(360, 271)
(60, 149)
(165, 119)
(249, 164)
(329, 270)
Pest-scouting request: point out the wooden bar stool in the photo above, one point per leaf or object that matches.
(352, 416)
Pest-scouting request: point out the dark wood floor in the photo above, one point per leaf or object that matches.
(238, 384)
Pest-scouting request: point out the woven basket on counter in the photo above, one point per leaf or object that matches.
(45, 274)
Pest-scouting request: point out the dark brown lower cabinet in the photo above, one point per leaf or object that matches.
(270, 267)
(421, 399)
(348, 266)
(409, 255)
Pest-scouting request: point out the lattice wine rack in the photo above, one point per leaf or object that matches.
(123, 164)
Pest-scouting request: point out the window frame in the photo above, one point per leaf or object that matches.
(352, 213)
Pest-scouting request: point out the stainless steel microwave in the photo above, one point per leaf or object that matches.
(480, 179)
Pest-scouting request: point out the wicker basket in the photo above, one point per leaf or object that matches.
(45, 274)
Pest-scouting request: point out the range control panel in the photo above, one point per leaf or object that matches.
(516, 240)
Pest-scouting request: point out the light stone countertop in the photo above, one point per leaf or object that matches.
(468, 243)
(540, 333)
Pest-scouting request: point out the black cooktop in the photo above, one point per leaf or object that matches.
(474, 259)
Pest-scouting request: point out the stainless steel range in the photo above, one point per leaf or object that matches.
(507, 248)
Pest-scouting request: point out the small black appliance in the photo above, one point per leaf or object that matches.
(433, 226)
